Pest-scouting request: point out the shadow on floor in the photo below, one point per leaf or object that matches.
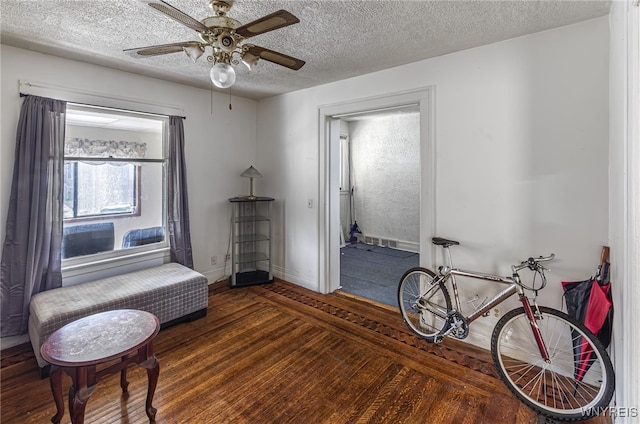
(374, 271)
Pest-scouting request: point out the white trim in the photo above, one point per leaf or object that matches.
(217, 274)
(629, 392)
(624, 224)
(368, 112)
(102, 268)
(408, 246)
(295, 278)
(96, 98)
(76, 265)
(372, 239)
(328, 251)
(11, 341)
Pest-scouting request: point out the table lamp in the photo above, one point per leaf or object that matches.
(251, 173)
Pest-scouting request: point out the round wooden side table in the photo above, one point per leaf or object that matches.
(81, 347)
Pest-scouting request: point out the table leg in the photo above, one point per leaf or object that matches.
(72, 395)
(153, 371)
(123, 378)
(79, 394)
(55, 379)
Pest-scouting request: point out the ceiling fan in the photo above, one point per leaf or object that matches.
(225, 37)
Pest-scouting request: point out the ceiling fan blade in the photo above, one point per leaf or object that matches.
(178, 15)
(276, 57)
(276, 20)
(160, 49)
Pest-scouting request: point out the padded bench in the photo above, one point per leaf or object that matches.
(172, 292)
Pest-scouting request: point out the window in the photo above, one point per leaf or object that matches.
(85, 195)
(345, 163)
(114, 181)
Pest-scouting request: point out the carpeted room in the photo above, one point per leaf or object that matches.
(380, 164)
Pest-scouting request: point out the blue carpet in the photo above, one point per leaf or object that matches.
(373, 271)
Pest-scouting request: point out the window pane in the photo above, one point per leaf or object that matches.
(147, 227)
(69, 190)
(106, 188)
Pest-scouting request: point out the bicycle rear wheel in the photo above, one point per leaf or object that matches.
(424, 304)
(575, 384)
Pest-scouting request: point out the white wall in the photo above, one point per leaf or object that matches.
(220, 144)
(386, 174)
(521, 139)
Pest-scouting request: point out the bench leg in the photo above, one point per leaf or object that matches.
(45, 372)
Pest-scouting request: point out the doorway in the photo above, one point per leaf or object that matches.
(379, 200)
(330, 117)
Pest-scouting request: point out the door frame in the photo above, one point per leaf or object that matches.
(328, 190)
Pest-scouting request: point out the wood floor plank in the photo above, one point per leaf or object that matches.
(281, 354)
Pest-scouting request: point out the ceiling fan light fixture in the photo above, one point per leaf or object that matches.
(194, 52)
(249, 60)
(224, 35)
(223, 75)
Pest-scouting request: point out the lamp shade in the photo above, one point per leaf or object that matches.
(251, 172)
(223, 75)
(249, 60)
(194, 52)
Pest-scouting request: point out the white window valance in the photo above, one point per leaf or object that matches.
(83, 147)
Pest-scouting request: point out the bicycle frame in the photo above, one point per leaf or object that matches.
(509, 291)
(513, 287)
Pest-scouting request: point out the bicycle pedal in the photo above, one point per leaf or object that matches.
(486, 314)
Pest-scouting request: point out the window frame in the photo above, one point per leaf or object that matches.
(154, 253)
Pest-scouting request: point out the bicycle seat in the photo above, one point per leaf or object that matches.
(439, 241)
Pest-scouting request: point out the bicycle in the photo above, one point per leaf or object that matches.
(546, 358)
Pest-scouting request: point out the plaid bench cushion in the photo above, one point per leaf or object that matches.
(168, 291)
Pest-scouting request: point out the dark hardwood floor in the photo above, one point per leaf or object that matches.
(282, 354)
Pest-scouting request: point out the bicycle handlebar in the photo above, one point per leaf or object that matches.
(533, 263)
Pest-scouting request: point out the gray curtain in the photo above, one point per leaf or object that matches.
(31, 253)
(178, 207)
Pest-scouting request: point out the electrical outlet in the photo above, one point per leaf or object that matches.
(496, 312)
(214, 260)
(227, 257)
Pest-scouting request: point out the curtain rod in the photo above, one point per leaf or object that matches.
(112, 108)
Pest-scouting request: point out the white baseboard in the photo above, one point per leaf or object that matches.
(295, 278)
(7, 342)
(216, 274)
(375, 240)
(409, 246)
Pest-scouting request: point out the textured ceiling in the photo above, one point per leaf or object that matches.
(337, 39)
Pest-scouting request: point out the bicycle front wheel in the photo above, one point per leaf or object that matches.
(576, 382)
(424, 303)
